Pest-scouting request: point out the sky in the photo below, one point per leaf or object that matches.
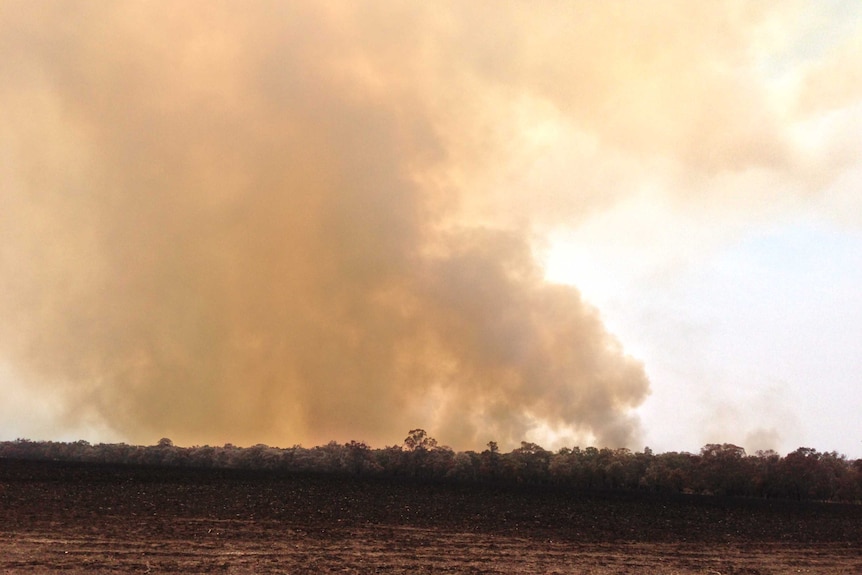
(571, 223)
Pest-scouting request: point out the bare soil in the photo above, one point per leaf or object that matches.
(60, 517)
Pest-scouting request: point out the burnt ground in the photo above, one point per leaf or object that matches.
(79, 518)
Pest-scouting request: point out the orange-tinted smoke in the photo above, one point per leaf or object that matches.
(240, 222)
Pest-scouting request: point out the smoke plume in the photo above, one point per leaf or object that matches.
(279, 223)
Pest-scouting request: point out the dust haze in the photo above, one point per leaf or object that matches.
(292, 223)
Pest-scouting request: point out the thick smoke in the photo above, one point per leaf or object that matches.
(249, 223)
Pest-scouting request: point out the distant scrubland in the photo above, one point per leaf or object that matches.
(719, 469)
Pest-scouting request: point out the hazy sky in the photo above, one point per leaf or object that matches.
(610, 223)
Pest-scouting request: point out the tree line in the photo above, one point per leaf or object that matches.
(719, 469)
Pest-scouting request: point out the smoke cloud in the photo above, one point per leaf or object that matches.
(290, 223)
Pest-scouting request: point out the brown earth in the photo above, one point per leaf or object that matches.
(101, 519)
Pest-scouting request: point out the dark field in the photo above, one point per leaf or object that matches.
(78, 518)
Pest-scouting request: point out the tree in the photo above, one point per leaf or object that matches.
(528, 463)
(418, 440)
(725, 470)
(799, 473)
(489, 463)
(669, 472)
(357, 458)
(765, 471)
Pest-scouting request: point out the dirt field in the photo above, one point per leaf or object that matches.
(92, 519)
